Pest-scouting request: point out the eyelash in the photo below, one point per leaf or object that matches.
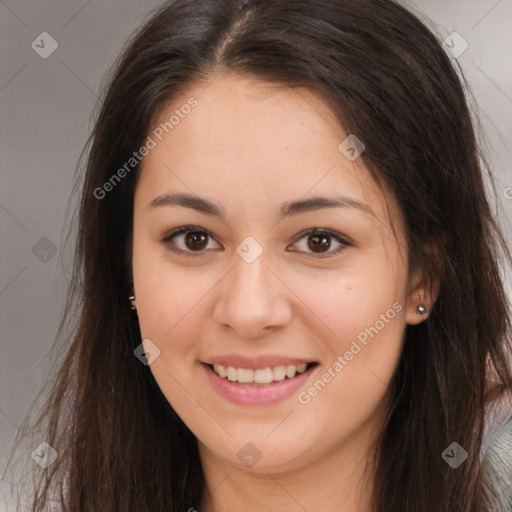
(315, 231)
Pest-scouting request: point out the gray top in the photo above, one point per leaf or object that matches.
(497, 456)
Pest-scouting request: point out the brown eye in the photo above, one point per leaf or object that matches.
(188, 240)
(196, 240)
(320, 242)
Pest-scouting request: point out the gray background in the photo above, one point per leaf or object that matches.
(46, 107)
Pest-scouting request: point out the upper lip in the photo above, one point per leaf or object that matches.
(263, 361)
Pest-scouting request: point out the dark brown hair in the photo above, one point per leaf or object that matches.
(385, 74)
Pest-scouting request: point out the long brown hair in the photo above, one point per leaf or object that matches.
(120, 445)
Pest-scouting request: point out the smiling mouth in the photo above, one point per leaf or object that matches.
(260, 376)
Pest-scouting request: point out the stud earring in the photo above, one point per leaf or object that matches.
(421, 309)
(132, 297)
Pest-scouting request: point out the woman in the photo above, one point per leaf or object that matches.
(290, 195)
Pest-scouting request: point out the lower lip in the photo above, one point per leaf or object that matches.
(245, 394)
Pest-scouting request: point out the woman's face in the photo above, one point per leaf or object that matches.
(250, 288)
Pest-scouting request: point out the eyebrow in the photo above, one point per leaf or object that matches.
(288, 208)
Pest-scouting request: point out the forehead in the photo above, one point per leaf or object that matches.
(252, 142)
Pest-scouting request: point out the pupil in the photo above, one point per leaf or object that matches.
(323, 240)
(198, 240)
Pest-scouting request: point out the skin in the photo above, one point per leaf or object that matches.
(248, 146)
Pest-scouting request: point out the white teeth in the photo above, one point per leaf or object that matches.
(279, 372)
(246, 375)
(232, 373)
(290, 371)
(221, 370)
(263, 376)
(260, 375)
(301, 368)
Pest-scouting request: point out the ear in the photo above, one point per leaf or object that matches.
(423, 291)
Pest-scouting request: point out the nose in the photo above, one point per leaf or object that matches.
(252, 300)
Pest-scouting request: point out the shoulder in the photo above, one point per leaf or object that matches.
(497, 455)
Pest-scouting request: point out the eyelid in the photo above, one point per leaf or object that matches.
(344, 241)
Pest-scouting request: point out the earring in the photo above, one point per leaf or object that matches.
(132, 300)
(421, 309)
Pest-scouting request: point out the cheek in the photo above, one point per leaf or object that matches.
(170, 309)
(352, 306)
(171, 314)
(350, 387)
(363, 321)
(168, 302)
(166, 293)
(363, 355)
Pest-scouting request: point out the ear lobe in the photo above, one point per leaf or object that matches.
(422, 299)
(426, 282)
